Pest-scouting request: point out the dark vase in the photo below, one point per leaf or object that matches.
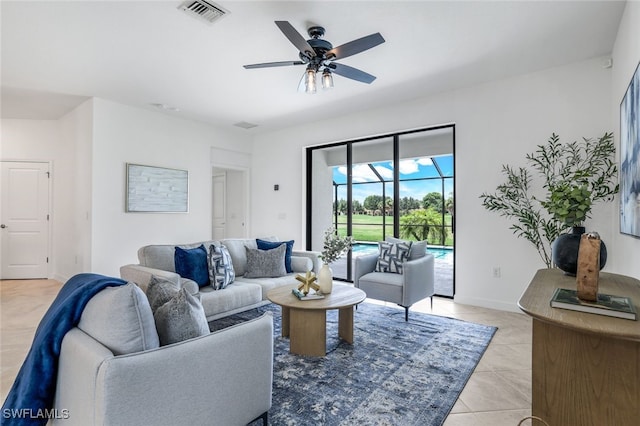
(564, 251)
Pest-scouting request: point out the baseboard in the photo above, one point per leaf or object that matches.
(60, 278)
(487, 303)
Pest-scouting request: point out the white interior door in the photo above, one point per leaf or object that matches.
(24, 220)
(219, 206)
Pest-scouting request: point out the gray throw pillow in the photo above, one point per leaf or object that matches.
(221, 272)
(181, 318)
(160, 291)
(392, 255)
(265, 263)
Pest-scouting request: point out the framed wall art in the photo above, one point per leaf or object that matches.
(630, 158)
(156, 189)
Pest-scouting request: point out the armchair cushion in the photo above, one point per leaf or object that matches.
(192, 264)
(391, 256)
(121, 319)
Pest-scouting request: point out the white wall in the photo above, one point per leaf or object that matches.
(123, 135)
(89, 148)
(496, 123)
(72, 244)
(626, 55)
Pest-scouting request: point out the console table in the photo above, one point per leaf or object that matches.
(586, 367)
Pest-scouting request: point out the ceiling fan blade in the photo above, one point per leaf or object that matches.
(296, 38)
(273, 64)
(352, 73)
(355, 46)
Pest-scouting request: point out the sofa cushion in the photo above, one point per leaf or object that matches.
(121, 319)
(301, 264)
(237, 295)
(268, 245)
(392, 255)
(192, 264)
(265, 263)
(236, 247)
(160, 291)
(181, 318)
(220, 265)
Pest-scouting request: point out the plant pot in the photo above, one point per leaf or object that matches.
(325, 279)
(564, 251)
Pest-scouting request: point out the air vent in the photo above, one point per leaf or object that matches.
(245, 125)
(203, 10)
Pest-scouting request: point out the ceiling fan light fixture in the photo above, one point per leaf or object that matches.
(327, 79)
(310, 81)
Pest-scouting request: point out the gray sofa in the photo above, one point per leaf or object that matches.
(112, 371)
(243, 294)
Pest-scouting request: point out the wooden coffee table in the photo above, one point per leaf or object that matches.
(305, 321)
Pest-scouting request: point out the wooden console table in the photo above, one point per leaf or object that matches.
(586, 367)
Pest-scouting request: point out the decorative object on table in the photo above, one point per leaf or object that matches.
(334, 246)
(564, 250)
(308, 282)
(575, 176)
(606, 304)
(630, 158)
(304, 296)
(588, 267)
(156, 189)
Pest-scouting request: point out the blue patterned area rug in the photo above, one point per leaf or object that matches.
(395, 373)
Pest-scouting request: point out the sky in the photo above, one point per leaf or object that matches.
(409, 169)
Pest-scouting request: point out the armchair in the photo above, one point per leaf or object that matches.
(413, 285)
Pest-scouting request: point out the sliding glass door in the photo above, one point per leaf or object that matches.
(399, 185)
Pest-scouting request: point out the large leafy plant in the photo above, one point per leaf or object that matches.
(575, 176)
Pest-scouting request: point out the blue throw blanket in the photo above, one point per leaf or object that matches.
(30, 401)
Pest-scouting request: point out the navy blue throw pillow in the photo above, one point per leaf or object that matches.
(192, 264)
(268, 245)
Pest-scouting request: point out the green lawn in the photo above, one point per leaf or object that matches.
(369, 228)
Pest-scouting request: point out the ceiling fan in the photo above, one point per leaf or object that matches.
(319, 56)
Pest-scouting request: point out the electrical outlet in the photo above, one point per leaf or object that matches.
(495, 271)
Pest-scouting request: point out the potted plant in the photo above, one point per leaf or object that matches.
(334, 246)
(574, 175)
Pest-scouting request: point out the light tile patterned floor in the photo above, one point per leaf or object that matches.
(497, 394)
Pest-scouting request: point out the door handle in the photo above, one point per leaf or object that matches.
(3, 226)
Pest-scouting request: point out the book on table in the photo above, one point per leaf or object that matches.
(300, 295)
(610, 305)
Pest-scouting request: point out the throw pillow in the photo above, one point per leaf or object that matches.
(192, 264)
(268, 245)
(181, 318)
(160, 291)
(418, 248)
(221, 272)
(120, 318)
(265, 263)
(392, 255)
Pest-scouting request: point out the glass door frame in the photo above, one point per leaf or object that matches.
(396, 187)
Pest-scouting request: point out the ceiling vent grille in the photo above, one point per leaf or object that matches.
(203, 10)
(245, 125)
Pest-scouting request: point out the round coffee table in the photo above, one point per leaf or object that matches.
(305, 321)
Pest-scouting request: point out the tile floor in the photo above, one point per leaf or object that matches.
(498, 393)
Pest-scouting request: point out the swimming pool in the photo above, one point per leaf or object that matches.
(367, 248)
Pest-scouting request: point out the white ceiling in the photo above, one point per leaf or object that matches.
(56, 54)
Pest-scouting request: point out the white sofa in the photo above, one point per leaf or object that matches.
(111, 370)
(241, 295)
